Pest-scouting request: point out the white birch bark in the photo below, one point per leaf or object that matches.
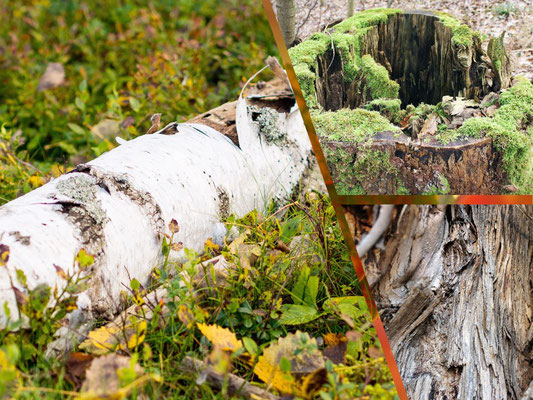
(115, 206)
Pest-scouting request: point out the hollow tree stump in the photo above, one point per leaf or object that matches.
(390, 62)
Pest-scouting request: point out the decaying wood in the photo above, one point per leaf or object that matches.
(419, 53)
(421, 164)
(417, 50)
(454, 290)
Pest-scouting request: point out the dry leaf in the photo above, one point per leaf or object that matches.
(220, 337)
(106, 128)
(53, 77)
(306, 365)
(430, 126)
(76, 366)
(102, 380)
(106, 338)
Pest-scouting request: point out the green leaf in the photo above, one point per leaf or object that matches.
(84, 259)
(76, 128)
(134, 103)
(294, 314)
(21, 277)
(290, 228)
(285, 364)
(306, 288)
(166, 248)
(353, 306)
(79, 103)
(250, 345)
(135, 285)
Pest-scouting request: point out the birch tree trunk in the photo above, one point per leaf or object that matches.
(350, 8)
(453, 287)
(117, 206)
(285, 11)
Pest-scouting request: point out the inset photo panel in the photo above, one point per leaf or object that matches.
(416, 97)
(165, 231)
(453, 287)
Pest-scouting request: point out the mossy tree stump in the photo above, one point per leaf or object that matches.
(387, 63)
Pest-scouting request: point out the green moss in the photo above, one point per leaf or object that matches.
(389, 108)
(306, 79)
(345, 39)
(307, 51)
(462, 35)
(378, 80)
(508, 129)
(365, 19)
(350, 125)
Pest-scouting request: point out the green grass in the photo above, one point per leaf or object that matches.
(254, 303)
(123, 62)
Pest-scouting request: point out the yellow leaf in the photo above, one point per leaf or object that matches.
(57, 170)
(35, 181)
(107, 338)
(210, 245)
(185, 316)
(307, 365)
(220, 337)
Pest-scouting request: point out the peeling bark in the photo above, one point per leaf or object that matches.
(454, 288)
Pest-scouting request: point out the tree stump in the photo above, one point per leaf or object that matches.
(453, 288)
(397, 65)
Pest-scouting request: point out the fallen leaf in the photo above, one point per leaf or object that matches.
(220, 337)
(76, 367)
(430, 126)
(53, 77)
(106, 128)
(336, 344)
(102, 377)
(107, 338)
(306, 365)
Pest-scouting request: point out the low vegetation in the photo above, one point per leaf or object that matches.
(286, 314)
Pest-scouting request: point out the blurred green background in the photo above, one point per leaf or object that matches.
(122, 61)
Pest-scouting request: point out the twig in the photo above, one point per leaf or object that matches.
(306, 18)
(236, 384)
(378, 229)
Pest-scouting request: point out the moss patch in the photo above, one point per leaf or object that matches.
(378, 80)
(510, 128)
(345, 41)
(462, 35)
(389, 108)
(350, 125)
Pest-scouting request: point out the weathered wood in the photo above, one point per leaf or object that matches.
(454, 289)
(418, 51)
(421, 165)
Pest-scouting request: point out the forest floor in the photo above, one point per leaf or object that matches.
(487, 16)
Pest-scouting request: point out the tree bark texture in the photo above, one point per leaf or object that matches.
(286, 11)
(453, 286)
(420, 165)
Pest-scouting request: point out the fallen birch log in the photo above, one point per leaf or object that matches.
(116, 206)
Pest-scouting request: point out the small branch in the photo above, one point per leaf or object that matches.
(306, 18)
(378, 229)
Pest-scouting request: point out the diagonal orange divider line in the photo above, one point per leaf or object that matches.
(437, 199)
(335, 200)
